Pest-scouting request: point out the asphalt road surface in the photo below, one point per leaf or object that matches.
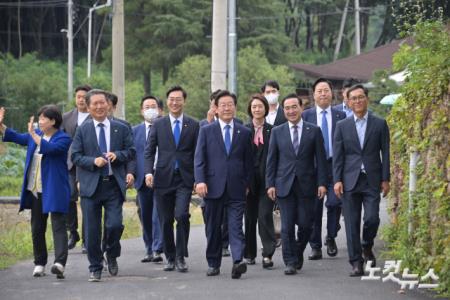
(324, 279)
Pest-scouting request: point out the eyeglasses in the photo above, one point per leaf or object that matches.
(359, 98)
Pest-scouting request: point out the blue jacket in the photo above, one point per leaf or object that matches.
(219, 170)
(54, 173)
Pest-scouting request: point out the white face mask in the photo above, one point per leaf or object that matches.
(151, 114)
(272, 98)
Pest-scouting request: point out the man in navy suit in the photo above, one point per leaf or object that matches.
(325, 117)
(271, 90)
(101, 150)
(344, 106)
(296, 176)
(151, 109)
(172, 178)
(223, 166)
(361, 172)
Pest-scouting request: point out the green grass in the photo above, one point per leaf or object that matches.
(15, 232)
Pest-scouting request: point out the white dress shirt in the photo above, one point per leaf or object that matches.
(299, 129)
(222, 127)
(319, 123)
(107, 128)
(172, 122)
(81, 117)
(272, 115)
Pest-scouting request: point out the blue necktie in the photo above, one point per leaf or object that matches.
(227, 139)
(102, 146)
(176, 137)
(296, 140)
(325, 133)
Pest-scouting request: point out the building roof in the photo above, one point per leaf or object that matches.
(360, 67)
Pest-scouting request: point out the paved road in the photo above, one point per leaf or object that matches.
(324, 279)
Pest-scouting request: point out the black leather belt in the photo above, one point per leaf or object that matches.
(107, 178)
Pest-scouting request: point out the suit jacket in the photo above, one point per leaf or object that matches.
(54, 173)
(261, 172)
(280, 117)
(309, 165)
(69, 125)
(339, 107)
(140, 140)
(161, 138)
(217, 169)
(85, 149)
(348, 155)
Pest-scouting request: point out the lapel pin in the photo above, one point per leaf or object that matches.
(238, 131)
(115, 130)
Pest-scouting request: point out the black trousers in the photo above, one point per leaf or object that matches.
(258, 211)
(173, 205)
(38, 228)
(295, 209)
(72, 214)
(362, 195)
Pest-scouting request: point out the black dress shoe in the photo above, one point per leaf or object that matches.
(213, 271)
(74, 237)
(225, 252)
(290, 270)
(299, 265)
(267, 263)
(147, 258)
(369, 256)
(316, 254)
(238, 269)
(357, 269)
(180, 264)
(332, 249)
(170, 266)
(250, 261)
(83, 248)
(95, 276)
(113, 267)
(157, 258)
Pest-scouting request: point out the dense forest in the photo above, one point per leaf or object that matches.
(170, 41)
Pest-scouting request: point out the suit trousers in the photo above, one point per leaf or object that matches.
(214, 217)
(333, 205)
(173, 204)
(107, 196)
(145, 198)
(157, 244)
(295, 209)
(363, 195)
(38, 228)
(72, 214)
(259, 211)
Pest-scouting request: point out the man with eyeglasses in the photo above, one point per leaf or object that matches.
(175, 137)
(361, 172)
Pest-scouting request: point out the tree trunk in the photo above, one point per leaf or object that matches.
(309, 35)
(165, 73)
(388, 32)
(365, 29)
(19, 34)
(147, 77)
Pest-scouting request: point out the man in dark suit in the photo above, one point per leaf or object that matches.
(271, 90)
(325, 117)
(344, 106)
(71, 120)
(175, 137)
(295, 177)
(101, 149)
(151, 109)
(361, 171)
(223, 166)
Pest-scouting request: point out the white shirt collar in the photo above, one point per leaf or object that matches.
(364, 118)
(147, 124)
(275, 111)
(172, 119)
(105, 122)
(320, 109)
(299, 124)
(223, 124)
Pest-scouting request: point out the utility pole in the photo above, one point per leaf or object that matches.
(341, 32)
(69, 50)
(118, 57)
(89, 55)
(219, 45)
(232, 48)
(357, 31)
